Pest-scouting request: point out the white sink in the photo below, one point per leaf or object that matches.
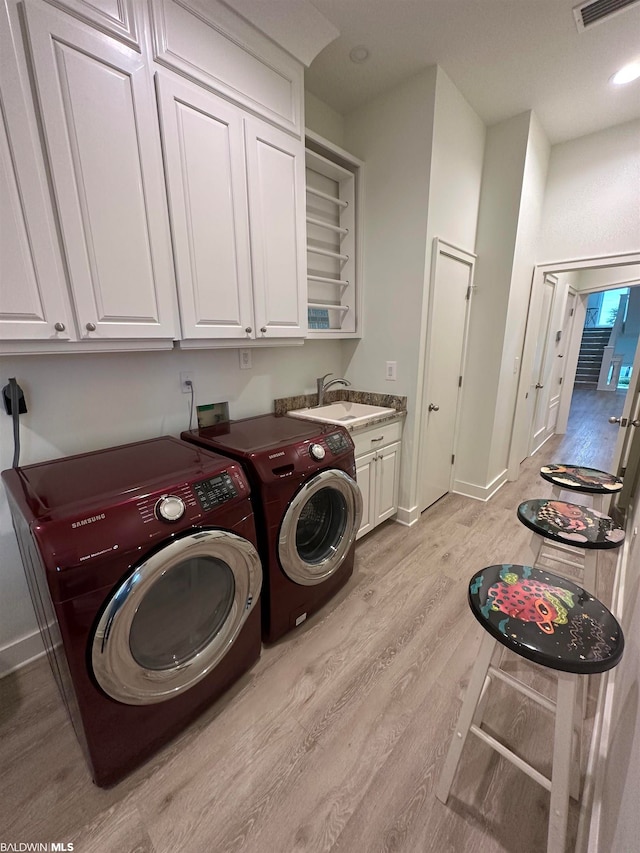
(343, 412)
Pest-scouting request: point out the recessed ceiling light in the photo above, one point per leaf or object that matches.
(359, 54)
(627, 74)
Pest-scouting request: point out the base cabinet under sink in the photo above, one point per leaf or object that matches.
(378, 473)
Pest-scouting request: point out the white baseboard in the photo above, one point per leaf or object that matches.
(20, 652)
(480, 493)
(408, 517)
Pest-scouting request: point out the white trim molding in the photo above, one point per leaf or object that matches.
(480, 493)
(20, 652)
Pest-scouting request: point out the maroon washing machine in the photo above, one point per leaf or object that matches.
(308, 509)
(144, 573)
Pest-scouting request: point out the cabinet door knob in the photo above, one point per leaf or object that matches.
(248, 330)
(59, 327)
(263, 329)
(90, 327)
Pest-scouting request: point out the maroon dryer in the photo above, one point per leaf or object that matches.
(142, 565)
(307, 505)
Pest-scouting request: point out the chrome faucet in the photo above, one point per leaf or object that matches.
(322, 386)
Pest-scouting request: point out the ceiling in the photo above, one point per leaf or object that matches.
(505, 56)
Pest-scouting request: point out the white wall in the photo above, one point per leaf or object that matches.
(601, 277)
(510, 207)
(422, 145)
(591, 204)
(85, 402)
(393, 134)
(619, 817)
(322, 119)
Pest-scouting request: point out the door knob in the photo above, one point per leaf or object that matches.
(538, 385)
(635, 423)
(613, 420)
(433, 407)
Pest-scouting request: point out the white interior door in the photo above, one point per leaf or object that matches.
(451, 288)
(559, 361)
(539, 391)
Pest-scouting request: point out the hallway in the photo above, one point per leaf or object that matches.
(590, 439)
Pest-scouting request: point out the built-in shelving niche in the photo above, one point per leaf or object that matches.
(333, 266)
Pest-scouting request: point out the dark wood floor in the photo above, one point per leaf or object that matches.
(334, 740)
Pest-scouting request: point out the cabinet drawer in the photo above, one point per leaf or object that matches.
(376, 437)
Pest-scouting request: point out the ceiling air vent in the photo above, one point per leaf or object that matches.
(587, 14)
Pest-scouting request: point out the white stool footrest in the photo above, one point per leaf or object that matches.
(532, 694)
(512, 757)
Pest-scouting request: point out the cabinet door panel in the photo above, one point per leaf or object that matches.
(32, 285)
(204, 163)
(365, 477)
(276, 218)
(100, 127)
(387, 474)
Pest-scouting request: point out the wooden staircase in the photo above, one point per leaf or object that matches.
(591, 350)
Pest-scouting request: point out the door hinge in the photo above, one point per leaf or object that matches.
(468, 296)
(571, 312)
(623, 471)
(453, 458)
(459, 381)
(560, 381)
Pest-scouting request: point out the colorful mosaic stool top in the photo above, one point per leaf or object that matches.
(546, 618)
(578, 479)
(570, 523)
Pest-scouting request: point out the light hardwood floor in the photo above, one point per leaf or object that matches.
(334, 740)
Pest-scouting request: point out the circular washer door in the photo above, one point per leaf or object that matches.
(175, 616)
(319, 527)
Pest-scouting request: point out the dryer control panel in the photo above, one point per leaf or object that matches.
(215, 491)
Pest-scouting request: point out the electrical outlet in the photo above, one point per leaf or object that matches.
(6, 395)
(186, 376)
(391, 372)
(245, 359)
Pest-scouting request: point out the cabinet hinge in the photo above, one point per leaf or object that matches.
(453, 458)
(459, 381)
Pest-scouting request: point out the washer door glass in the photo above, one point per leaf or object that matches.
(175, 616)
(319, 527)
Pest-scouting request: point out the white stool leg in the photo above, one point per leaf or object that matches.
(471, 699)
(590, 574)
(534, 550)
(597, 502)
(555, 492)
(561, 772)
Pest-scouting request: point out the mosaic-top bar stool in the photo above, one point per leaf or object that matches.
(586, 481)
(547, 619)
(574, 532)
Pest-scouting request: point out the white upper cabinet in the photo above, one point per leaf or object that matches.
(276, 216)
(205, 169)
(208, 42)
(235, 194)
(112, 16)
(98, 114)
(33, 304)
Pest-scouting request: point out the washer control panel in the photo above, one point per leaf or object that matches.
(215, 491)
(170, 508)
(317, 451)
(337, 442)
